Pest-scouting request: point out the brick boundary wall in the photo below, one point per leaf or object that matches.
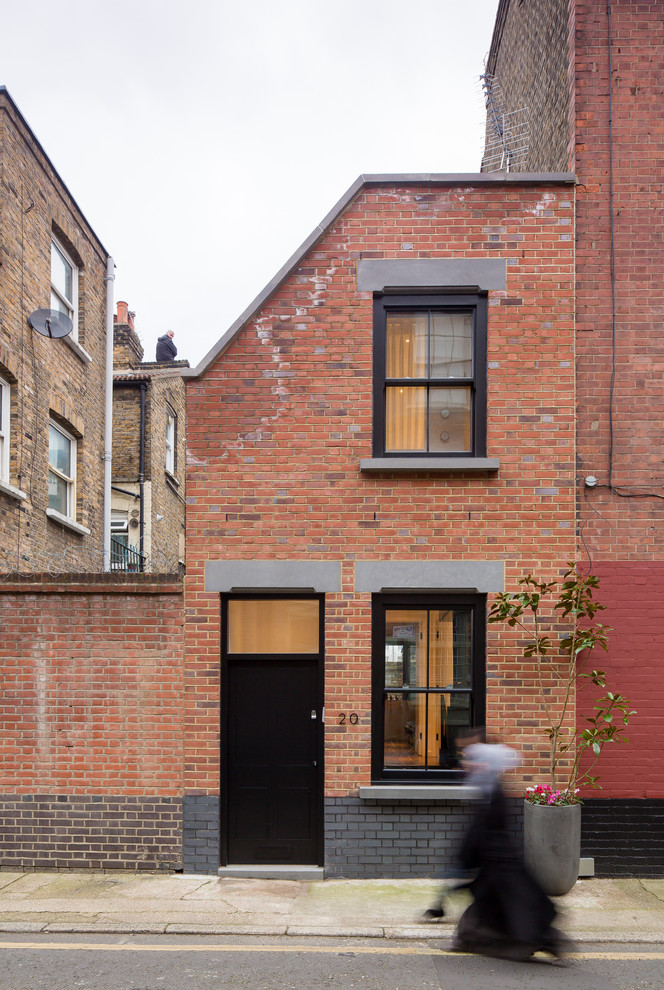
(61, 831)
(91, 709)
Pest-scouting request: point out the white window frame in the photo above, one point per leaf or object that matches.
(5, 429)
(71, 305)
(69, 480)
(171, 427)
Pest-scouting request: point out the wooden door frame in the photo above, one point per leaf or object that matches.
(224, 719)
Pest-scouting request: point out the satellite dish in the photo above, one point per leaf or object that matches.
(50, 322)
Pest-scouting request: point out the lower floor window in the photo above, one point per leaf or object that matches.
(61, 471)
(428, 683)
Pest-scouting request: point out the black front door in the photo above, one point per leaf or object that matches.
(273, 761)
(273, 736)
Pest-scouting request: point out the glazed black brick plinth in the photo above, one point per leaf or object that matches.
(625, 837)
(398, 839)
(92, 832)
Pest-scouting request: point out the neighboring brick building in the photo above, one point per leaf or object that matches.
(611, 89)
(149, 436)
(350, 486)
(90, 663)
(51, 390)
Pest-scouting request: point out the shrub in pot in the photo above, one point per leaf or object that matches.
(552, 814)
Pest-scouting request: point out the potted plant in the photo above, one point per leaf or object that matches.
(552, 811)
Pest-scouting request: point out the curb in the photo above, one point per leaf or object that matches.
(425, 933)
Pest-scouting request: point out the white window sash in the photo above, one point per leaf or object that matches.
(71, 305)
(5, 412)
(170, 444)
(69, 480)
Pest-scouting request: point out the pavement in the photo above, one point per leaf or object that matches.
(595, 910)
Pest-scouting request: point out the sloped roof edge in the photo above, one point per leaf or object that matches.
(363, 181)
(4, 93)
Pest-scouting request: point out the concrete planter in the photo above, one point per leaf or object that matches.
(552, 845)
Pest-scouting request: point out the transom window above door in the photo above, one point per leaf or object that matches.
(430, 376)
(262, 626)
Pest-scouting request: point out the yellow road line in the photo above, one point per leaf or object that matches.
(410, 950)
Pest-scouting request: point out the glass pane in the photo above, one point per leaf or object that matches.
(405, 418)
(57, 494)
(405, 648)
(275, 625)
(451, 345)
(441, 648)
(405, 727)
(461, 635)
(448, 718)
(59, 451)
(449, 419)
(406, 345)
(61, 273)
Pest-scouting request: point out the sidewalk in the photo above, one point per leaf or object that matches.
(594, 911)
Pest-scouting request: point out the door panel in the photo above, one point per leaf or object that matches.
(273, 770)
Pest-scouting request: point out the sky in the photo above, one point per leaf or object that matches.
(204, 140)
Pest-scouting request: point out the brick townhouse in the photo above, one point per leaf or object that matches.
(383, 440)
(589, 74)
(51, 390)
(91, 663)
(149, 438)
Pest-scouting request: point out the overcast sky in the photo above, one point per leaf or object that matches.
(204, 140)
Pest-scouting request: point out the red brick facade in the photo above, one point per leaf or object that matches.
(278, 424)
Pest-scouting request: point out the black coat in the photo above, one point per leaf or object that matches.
(166, 349)
(510, 909)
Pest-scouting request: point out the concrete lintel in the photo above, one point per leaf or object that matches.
(375, 275)
(482, 576)
(320, 576)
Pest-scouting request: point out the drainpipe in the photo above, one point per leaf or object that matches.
(109, 279)
(141, 471)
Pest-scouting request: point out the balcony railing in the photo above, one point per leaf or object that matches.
(125, 558)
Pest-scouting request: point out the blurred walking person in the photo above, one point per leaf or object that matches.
(510, 915)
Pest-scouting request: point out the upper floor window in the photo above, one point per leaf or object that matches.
(5, 395)
(171, 423)
(64, 284)
(61, 471)
(428, 683)
(430, 375)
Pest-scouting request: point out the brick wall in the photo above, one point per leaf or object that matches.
(48, 376)
(92, 721)
(277, 427)
(529, 57)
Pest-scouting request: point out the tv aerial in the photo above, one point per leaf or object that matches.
(50, 322)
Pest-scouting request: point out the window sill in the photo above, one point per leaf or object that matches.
(57, 517)
(79, 351)
(438, 465)
(171, 479)
(419, 792)
(16, 493)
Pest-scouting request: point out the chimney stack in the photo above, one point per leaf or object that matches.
(127, 348)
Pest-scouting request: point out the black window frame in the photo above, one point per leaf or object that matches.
(380, 604)
(384, 303)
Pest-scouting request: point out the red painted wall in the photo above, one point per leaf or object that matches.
(633, 592)
(621, 519)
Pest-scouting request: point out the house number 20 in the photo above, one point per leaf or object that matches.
(352, 718)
